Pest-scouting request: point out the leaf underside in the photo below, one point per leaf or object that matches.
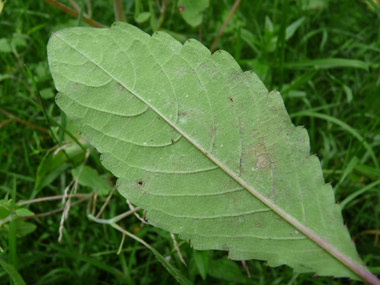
(181, 129)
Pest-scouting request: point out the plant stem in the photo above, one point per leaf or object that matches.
(74, 13)
(50, 198)
(114, 219)
(163, 13)
(80, 15)
(10, 218)
(106, 202)
(233, 9)
(14, 118)
(75, 5)
(54, 211)
(119, 11)
(12, 257)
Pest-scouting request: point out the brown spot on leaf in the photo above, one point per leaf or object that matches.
(261, 162)
(120, 88)
(181, 9)
(140, 183)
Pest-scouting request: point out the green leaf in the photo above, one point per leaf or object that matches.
(22, 228)
(292, 28)
(191, 11)
(2, 5)
(313, 4)
(5, 208)
(91, 178)
(227, 270)
(24, 212)
(367, 170)
(327, 63)
(203, 147)
(201, 260)
(143, 17)
(357, 193)
(13, 273)
(7, 46)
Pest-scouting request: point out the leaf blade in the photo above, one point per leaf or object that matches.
(222, 100)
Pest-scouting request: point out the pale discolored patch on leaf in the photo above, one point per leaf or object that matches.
(202, 146)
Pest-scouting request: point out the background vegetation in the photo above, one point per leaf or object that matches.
(323, 56)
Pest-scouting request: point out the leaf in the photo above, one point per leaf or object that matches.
(22, 228)
(91, 178)
(5, 208)
(24, 212)
(327, 63)
(12, 271)
(191, 11)
(313, 4)
(2, 5)
(202, 146)
(7, 46)
(226, 270)
(201, 260)
(289, 32)
(143, 17)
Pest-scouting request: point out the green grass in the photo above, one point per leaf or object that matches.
(325, 63)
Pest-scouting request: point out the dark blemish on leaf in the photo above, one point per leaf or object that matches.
(206, 153)
(172, 141)
(232, 100)
(140, 183)
(120, 88)
(159, 118)
(181, 9)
